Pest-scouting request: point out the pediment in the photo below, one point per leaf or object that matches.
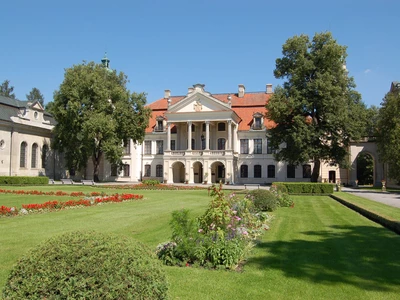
(198, 102)
(37, 106)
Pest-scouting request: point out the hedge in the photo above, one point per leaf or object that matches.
(390, 224)
(18, 180)
(306, 187)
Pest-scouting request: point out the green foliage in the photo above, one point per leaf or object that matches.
(221, 237)
(306, 187)
(365, 169)
(4, 180)
(95, 114)
(87, 265)
(264, 200)
(317, 111)
(388, 140)
(151, 182)
(282, 195)
(35, 95)
(6, 90)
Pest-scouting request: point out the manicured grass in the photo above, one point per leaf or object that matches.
(317, 250)
(391, 212)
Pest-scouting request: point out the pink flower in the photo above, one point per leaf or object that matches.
(200, 230)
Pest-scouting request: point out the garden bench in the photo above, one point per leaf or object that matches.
(87, 182)
(67, 181)
(251, 184)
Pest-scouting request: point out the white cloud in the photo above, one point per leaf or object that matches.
(367, 71)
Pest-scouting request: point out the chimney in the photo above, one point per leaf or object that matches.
(167, 94)
(241, 91)
(269, 88)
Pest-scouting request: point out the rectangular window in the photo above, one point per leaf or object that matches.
(244, 146)
(257, 171)
(147, 147)
(257, 123)
(173, 145)
(221, 144)
(159, 171)
(221, 126)
(270, 149)
(160, 146)
(160, 126)
(126, 170)
(291, 171)
(257, 146)
(147, 170)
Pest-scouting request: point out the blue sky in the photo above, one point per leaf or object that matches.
(174, 44)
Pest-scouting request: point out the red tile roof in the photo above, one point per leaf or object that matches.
(244, 107)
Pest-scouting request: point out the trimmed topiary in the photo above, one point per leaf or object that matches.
(264, 200)
(87, 265)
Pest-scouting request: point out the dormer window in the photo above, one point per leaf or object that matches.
(159, 124)
(257, 121)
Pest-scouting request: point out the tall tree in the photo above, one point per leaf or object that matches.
(95, 113)
(388, 139)
(317, 111)
(35, 95)
(6, 89)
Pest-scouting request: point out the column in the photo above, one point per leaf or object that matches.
(189, 147)
(168, 136)
(229, 135)
(207, 135)
(235, 137)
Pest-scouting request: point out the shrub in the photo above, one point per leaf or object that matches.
(264, 200)
(87, 265)
(283, 197)
(31, 180)
(151, 182)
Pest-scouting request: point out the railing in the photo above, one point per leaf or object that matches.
(198, 153)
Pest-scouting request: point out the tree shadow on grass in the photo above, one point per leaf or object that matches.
(367, 257)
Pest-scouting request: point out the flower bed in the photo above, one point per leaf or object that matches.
(51, 193)
(58, 205)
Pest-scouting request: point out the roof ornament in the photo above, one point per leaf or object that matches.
(230, 100)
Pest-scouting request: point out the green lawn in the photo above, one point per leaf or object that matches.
(317, 250)
(381, 209)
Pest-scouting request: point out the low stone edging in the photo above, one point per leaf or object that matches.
(387, 223)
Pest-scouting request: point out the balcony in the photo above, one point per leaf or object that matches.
(199, 153)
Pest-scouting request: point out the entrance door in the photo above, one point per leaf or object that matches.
(332, 176)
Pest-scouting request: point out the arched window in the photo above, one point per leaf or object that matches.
(271, 171)
(159, 170)
(257, 171)
(34, 156)
(221, 144)
(244, 171)
(45, 151)
(22, 155)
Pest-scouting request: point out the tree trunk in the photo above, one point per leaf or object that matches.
(315, 171)
(96, 165)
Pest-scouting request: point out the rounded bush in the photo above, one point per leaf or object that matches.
(264, 200)
(87, 265)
